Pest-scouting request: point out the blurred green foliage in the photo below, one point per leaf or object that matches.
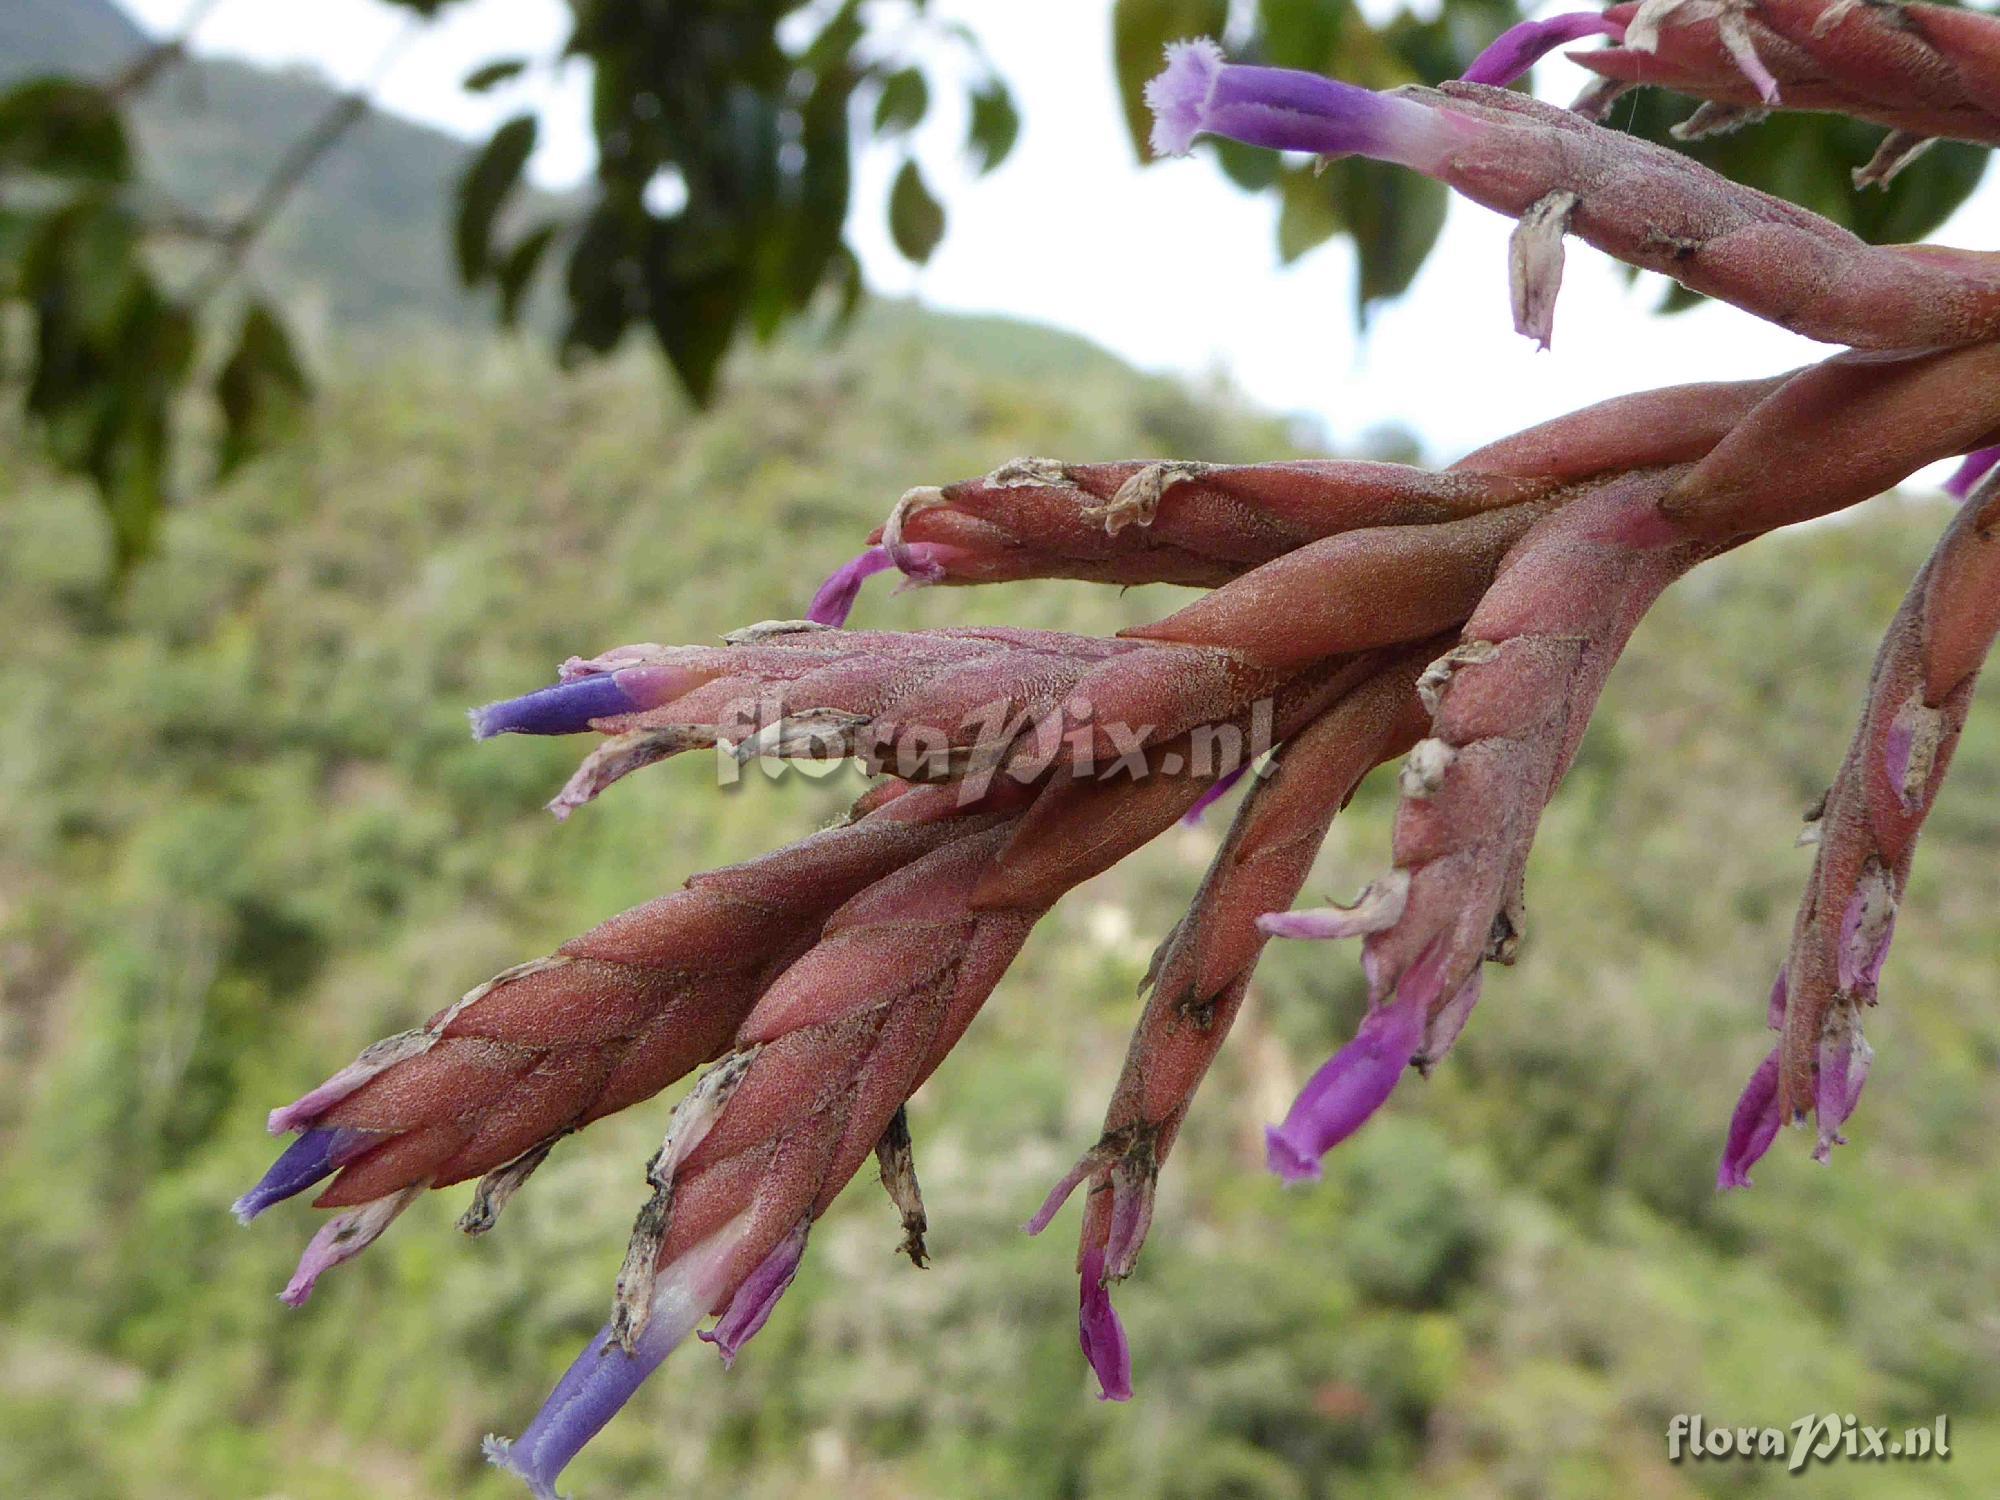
(243, 832)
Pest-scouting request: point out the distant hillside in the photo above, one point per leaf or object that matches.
(363, 240)
(364, 244)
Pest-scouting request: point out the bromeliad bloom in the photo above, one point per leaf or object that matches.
(1462, 622)
(1286, 110)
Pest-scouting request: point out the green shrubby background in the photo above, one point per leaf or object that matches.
(243, 832)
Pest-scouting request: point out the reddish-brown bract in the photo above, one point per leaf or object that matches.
(1929, 69)
(1918, 695)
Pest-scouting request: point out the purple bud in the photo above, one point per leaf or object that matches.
(1286, 110)
(1752, 1127)
(1100, 1332)
(1975, 468)
(1089, 1165)
(566, 708)
(1520, 47)
(835, 599)
(1341, 1097)
(751, 1307)
(1774, 1014)
(603, 1378)
(314, 1155)
(620, 682)
(1216, 791)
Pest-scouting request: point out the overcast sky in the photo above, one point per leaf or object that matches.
(1168, 266)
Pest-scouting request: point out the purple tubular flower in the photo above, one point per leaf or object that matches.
(566, 708)
(1752, 1127)
(591, 1392)
(1975, 468)
(314, 1155)
(751, 1307)
(603, 1378)
(1217, 790)
(1358, 1080)
(1520, 47)
(1100, 1332)
(1286, 110)
(835, 599)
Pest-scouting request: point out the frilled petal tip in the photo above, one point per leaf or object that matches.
(1287, 1158)
(1752, 1126)
(1100, 1333)
(566, 708)
(314, 1155)
(1179, 96)
(750, 1309)
(1521, 46)
(1977, 466)
(1355, 1082)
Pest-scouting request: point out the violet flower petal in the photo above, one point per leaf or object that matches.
(836, 597)
(1286, 110)
(1521, 46)
(314, 1155)
(1968, 474)
(1341, 1097)
(1100, 1333)
(751, 1307)
(1844, 1058)
(1217, 790)
(602, 1378)
(345, 1236)
(1752, 1126)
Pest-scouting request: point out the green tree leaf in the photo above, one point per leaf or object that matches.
(491, 76)
(65, 129)
(262, 390)
(916, 219)
(515, 271)
(995, 126)
(489, 180)
(905, 97)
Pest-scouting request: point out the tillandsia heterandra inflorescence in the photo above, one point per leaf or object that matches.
(1462, 620)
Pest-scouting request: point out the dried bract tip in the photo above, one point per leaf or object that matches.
(896, 1164)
